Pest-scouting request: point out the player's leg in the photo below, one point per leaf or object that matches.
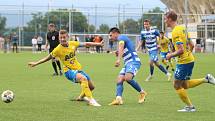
(54, 67)
(163, 60)
(196, 82)
(119, 88)
(151, 65)
(171, 64)
(181, 74)
(131, 70)
(59, 66)
(169, 75)
(83, 79)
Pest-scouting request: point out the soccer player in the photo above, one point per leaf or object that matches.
(126, 50)
(52, 39)
(165, 46)
(150, 36)
(185, 64)
(65, 51)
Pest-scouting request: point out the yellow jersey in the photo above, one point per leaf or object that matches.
(179, 37)
(67, 56)
(164, 44)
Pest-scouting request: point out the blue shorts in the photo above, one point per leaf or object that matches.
(153, 56)
(71, 75)
(163, 54)
(184, 71)
(130, 67)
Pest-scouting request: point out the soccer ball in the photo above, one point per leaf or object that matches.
(7, 96)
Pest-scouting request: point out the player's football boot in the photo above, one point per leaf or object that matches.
(142, 97)
(117, 101)
(188, 109)
(148, 78)
(169, 76)
(93, 102)
(210, 78)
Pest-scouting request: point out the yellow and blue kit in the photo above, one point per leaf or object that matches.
(67, 56)
(185, 62)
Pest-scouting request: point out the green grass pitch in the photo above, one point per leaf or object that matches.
(41, 97)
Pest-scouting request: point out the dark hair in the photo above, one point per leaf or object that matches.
(114, 29)
(161, 32)
(147, 20)
(172, 15)
(51, 25)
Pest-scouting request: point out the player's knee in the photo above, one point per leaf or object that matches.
(80, 77)
(128, 78)
(92, 87)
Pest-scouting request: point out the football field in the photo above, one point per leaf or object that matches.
(41, 97)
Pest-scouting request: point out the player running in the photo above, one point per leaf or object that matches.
(126, 50)
(149, 36)
(66, 52)
(185, 64)
(165, 46)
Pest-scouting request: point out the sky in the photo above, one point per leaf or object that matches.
(146, 4)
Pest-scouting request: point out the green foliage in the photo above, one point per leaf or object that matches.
(60, 18)
(2, 23)
(130, 26)
(156, 19)
(103, 28)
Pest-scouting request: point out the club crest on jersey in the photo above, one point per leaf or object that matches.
(53, 37)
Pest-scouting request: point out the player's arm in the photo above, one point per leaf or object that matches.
(190, 45)
(43, 60)
(177, 52)
(120, 53)
(90, 44)
(139, 45)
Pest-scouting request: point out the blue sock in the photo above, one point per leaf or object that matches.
(162, 69)
(135, 85)
(119, 89)
(151, 70)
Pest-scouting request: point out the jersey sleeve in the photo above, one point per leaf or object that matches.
(75, 43)
(178, 37)
(55, 52)
(157, 33)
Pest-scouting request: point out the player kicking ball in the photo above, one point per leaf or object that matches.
(65, 51)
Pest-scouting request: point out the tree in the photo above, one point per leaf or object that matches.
(2, 23)
(60, 18)
(130, 26)
(156, 19)
(103, 28)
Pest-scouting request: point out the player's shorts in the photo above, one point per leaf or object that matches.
(153, 55)
(184, 71)
(71, 75)
(130, 67)
(163, 54)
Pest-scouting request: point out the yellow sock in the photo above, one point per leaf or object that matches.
(170, 63)
(195, 82)
(184, 97)
(85, 88)
(164, 62)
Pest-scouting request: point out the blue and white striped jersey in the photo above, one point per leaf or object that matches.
(150, 38)
(129, 55)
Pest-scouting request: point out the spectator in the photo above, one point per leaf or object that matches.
(14, 39)
(98, 39)
(39, 43)
(34, 44)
